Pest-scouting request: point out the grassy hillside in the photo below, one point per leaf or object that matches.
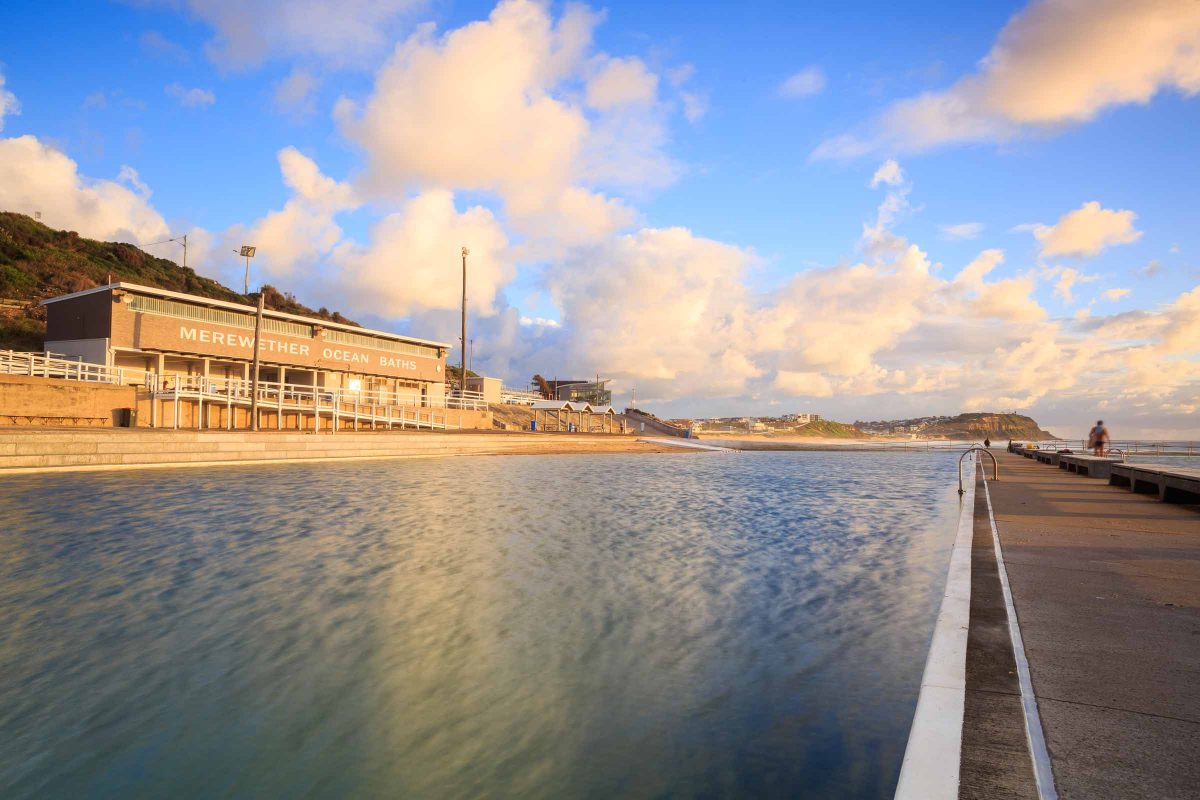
(996, 426)
(37, 262)
(828, 429)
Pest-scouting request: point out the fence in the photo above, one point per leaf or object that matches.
(518, 397)
(1130, 447)
(368, 406)
(39, 365)
(332, 408)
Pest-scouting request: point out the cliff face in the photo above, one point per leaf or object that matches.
(37, 262)
(997, 427)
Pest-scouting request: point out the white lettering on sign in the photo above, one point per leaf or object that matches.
(344, 355)
(397, 363)
(268, 345)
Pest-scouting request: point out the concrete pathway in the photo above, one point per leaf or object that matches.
(1106, 585)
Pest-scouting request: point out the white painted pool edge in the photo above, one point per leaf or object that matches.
(1034, 736)
(930, 770)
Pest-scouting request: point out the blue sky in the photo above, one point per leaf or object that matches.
(696, 134)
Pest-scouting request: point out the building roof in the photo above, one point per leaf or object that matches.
(560, 405)
(213, 303)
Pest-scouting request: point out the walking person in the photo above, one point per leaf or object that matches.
(1098, 438)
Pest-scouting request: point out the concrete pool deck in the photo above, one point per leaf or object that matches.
(24, 450)
(1106, 588)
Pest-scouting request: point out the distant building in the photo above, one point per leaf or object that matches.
(576, 391)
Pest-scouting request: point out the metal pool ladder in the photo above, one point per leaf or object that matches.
(973, 448)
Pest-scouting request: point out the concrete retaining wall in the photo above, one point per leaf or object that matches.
(47, 401)
(26, 401)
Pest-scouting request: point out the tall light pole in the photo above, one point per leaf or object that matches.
(462, 376)
(254, 375)
(248, 252)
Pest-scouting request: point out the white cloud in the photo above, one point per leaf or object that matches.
(294, 240)
(803, 384)
(412, 263)
(1057, 62)
(347, 33)
(190, 98)
(35, 177)
(8, 103)
(511, 128)
(1087, 231)
(1115, 294)
(805, 83)
(889, 172)
(1068, 278)
(662, 309)
(621, 82)
(541, 322)
(963, 230)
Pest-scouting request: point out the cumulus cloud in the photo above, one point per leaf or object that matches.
(304, 230)
(1116, 294)
(190, 98)
(411, 263)
(1086, 231)
(621, 82)
(805, 83)
(8, 103)
(1055, 63)
(35, 177)
(512, 128)
(661, 308)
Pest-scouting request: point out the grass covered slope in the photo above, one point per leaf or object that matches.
(996, 426)
(37, 262)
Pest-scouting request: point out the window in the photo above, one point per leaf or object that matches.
(218, 316)
(346, 337)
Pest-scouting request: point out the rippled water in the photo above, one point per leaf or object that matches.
(559, 626)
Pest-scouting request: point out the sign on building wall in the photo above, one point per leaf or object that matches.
(153, 332)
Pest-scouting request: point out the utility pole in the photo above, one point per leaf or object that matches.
(254, 376)
(462, 376)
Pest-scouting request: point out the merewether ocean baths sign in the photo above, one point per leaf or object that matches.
(268, 345)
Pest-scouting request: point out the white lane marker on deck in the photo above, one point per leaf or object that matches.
(932, 758)
(1036, 739)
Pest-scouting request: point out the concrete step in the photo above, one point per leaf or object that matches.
(118, 450)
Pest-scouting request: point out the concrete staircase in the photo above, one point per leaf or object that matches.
(32, 450)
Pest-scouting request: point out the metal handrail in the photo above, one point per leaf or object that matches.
(972, 449)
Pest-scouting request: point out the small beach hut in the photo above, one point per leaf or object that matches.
(605, 418)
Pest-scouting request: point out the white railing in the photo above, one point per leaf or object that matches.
(518, 397)
(50, 365)
(337, 407)
(1128, 447)
(472, 401)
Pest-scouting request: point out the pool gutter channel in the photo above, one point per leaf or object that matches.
(930, 769)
